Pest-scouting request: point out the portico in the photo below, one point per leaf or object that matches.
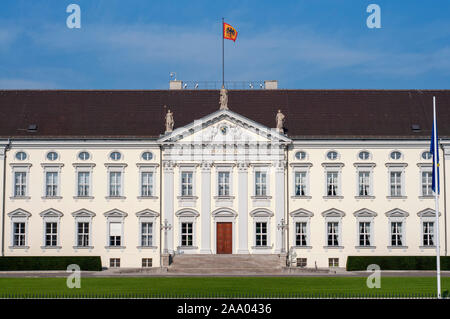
(224, 166)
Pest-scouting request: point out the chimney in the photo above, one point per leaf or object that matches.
(271, 85)
(175, 85)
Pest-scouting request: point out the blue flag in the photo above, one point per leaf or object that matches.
(434, 145)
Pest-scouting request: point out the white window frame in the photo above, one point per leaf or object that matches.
(84, 168)
(115, 216)
(396, 168)
(117, 168)
(424, 168)
(426, 216)
(230, 176)
(147, 168)
(52, 168)
(19, 216)
(191, 171)
(360, 168)
(148, 216)
(20, 168)
(262, 215)
(83, 216)
(301, 216)
(397, 215)
(187, 215)
(51, 216)
(333, 168)
(333, 216)
(265, 170)
(365, 216)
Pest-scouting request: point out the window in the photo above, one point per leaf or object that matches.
(301, 234)
(146, 262)
(428, 233)
(84, 156)
(396, 155)
(115, 184)
(115, 156)
(364, 184)
(333, 233)
(51, 234)
(332, 183)
(364, 155)
(51, 184)
(52, 156)
(146, 234)
(83, 234)
(300, 184)
(186, 184)
(115, 234)
(364, 234)
(20, 184)
(396, 234)
(224, 184)
(19, 234)
(396, 184)
(426, 184)
(301, 262)
(114, 262)
(300, 155)
(260, 183)
(21, 156)
(83, 184)
(427, 155)
(261, 233)
(332, 155)
(146, 184)
(187, 234)
(147, 156)
(333, 262)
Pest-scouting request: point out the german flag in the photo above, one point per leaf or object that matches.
(229, 32)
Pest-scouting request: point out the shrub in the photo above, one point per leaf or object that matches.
(397, 262)
(92, 263)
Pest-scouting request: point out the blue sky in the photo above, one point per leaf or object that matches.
(304, 44)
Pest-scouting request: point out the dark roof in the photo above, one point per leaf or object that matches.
(137, 114)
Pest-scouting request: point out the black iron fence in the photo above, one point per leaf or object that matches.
(151, 295)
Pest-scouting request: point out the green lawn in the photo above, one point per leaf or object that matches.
(226, 286)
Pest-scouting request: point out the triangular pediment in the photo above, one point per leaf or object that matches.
(224, 127)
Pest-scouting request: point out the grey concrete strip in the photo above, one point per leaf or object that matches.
(109, 273)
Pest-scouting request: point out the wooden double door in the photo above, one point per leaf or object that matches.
(224, 238)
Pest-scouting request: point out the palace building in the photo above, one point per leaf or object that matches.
(312, 176)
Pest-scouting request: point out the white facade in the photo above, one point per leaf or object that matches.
(110, 198)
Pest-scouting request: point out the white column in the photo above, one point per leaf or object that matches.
(168, 199)
(243, 207)
(205, 213)
(279, 203)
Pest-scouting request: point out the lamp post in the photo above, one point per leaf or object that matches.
(166, 226)
(282, 226)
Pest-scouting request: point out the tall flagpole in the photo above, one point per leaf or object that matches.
(436, 197)
(223, 57)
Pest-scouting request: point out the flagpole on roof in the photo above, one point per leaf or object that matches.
(223, 56)
(436, 197)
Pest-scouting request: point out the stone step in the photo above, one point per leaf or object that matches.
(266, 262)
